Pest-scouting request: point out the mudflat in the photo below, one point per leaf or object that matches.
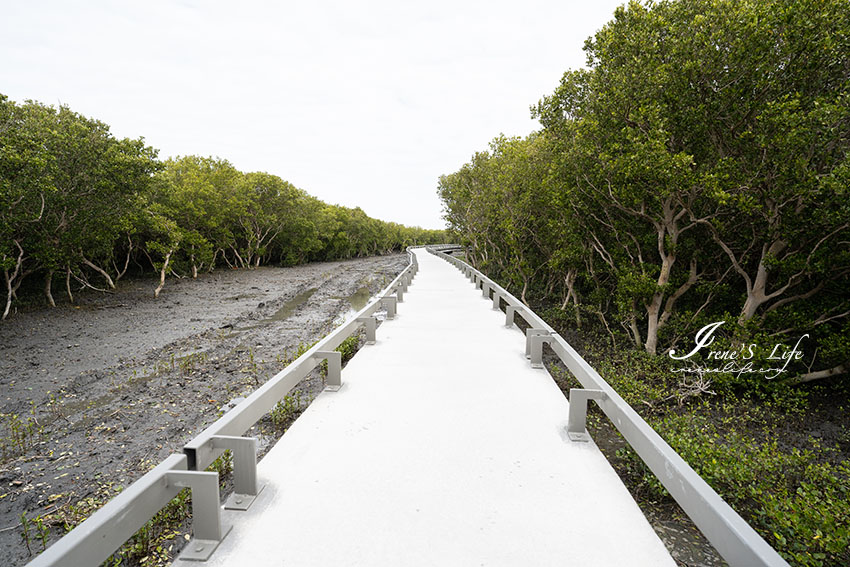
(93, 395)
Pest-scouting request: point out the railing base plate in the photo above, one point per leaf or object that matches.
(202, 549)
(241, 501)
(579, 437)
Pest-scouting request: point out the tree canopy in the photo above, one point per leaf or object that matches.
(77, 202)
(695, 171)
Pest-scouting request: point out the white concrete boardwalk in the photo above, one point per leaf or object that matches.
(442, 448)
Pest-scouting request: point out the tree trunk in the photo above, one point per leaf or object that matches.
(757, 292)
(10, 289)
(48, 283)
(820, 374)
(121, 273)
(194, 267)
(652, 311)
(99, 270)
(238, 257)
(68, 283)
(633, 326)
(570, 282)
(162, 273)
(8, 293)
(194, 264)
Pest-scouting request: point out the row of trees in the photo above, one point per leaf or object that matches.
(696, 171)
(81, 207)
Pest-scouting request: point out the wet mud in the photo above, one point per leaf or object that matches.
(93, 395)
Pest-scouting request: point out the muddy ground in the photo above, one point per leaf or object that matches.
(96, 394)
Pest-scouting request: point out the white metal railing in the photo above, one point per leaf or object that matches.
(734, 539)
(100, 535)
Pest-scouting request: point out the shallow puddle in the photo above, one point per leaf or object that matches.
(359, 298)
(290, 306)
(281, 314)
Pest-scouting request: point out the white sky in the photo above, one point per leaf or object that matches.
(358, 103)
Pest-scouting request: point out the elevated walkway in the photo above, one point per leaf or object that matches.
(442, 447)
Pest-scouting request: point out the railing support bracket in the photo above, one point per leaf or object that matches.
(206, 512)
(391, 304)
(246, 488)
(334, 358)
(534, 339)
(577, 422)
(510, 311)
(370, 323)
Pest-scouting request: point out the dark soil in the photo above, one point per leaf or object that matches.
(96, 394)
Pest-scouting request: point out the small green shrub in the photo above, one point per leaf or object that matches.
(20, 434)
(349, 347)
(287, 410)
(797, 500)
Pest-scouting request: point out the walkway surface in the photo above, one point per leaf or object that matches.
(443, 447)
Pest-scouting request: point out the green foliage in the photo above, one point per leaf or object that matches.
(76, 200)
(349, 347)
(695, 171)
(20, 434)
(798, 501)
(223, 465)
(150, 545)
(68, 192)
(287, 410)
(749, 444)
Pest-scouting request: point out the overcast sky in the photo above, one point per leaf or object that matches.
(359, 103)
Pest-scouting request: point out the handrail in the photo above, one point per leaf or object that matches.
(99, 536)
(735, 540)
(106, 530)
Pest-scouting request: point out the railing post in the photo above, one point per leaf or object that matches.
(497, 300)
(531, 332)
(206, 512)
(485, 289)
(400, 293)
(577, 422)
(510, 311)
(245, 488)
(370, 323)
(391, 303)
(334, 359)
(534, 345)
